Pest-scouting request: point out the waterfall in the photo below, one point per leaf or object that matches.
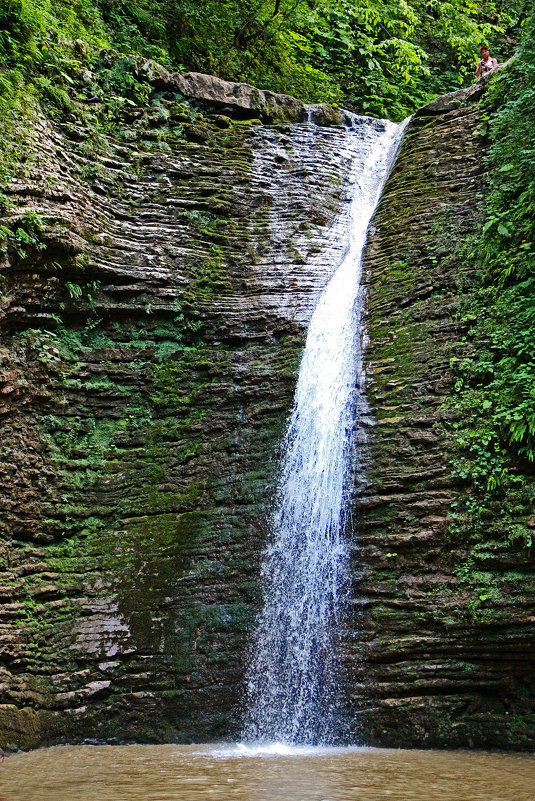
(294, 680)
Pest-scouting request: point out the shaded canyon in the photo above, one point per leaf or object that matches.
(156, 287)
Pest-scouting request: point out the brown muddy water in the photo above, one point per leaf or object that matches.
(273, 773)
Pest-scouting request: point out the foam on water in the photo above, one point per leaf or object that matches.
(274, 749)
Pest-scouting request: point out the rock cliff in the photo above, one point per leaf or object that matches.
(155, 294)
(443, 640)
(157, 280)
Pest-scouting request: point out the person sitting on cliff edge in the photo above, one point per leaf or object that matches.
(486, 63)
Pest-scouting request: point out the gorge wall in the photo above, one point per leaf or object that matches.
(156, 285)
(445, 612)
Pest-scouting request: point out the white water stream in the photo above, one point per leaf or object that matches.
(295, 692)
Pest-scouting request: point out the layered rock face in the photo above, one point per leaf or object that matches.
(443, 639)
(156, 289)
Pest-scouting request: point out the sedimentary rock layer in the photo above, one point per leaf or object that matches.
(443, 639)
(156, 289)
(157, 279)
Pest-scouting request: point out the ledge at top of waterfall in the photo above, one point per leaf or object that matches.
(295, 684)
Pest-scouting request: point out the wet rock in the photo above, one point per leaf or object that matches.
(436, 636)
(153, 345)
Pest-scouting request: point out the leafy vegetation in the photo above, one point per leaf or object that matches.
(25, 236)
(496, 382)
(379, 56)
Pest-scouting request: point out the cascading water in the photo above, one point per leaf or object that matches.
(294, 680)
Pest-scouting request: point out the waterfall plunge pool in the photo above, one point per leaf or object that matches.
(294, 695)
(234, 772)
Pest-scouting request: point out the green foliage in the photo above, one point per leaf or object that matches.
(23, 24)
(379, 56)
(503, 310)
(484, 586)
(75, 290)
(382, 56)
(495, 382)
(24, 236)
